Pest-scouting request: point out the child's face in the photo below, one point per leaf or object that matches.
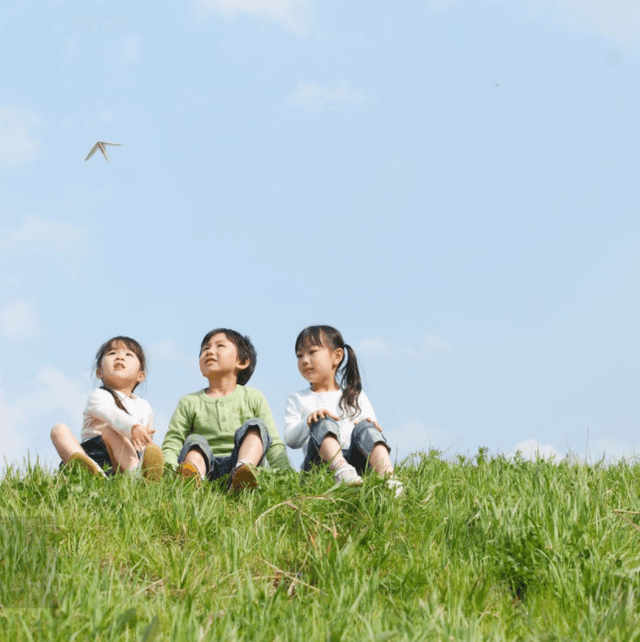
(219, 357)
(318, 364)
(120, 368)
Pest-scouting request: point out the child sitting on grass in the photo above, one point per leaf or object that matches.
(334, 422)
(118, 426)
(226, 428)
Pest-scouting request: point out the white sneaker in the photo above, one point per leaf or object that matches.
(347, 475)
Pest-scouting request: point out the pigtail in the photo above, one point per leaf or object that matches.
(351, 384)
(115, 398)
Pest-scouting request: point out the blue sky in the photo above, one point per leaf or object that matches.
(452, 184)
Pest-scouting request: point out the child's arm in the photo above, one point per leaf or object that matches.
(296, 428)
(143, 435)
(102, 406)
(277, 454)
(179, 428)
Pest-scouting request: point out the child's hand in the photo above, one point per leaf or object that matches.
(141, 436)
(375, 423)
(316, 415)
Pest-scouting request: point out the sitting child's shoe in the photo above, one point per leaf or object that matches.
(188, 471)
(395, 485)
(152, 463)
(87, 463)
(348, 475)
(244, 476)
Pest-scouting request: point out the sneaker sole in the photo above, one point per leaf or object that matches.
(189, 472)
(243, 477)
(152, 463)
(87, 463)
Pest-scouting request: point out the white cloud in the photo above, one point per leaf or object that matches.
(293, 14)
(615, 19)
(17, 142)
(531, 450)
(610, 450)
(315, 97)
(429, 345)
(19, 319)
(39, 230)
(25, 423)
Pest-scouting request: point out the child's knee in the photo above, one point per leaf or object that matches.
(253, 427)
(58, 431)
(323, 427)
(366, 437)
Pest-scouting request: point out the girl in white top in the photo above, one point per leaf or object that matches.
(118, 426)
(333, 421)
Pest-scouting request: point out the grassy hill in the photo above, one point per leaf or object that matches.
(477, 549)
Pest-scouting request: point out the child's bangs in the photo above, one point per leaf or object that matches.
(128, 343)
(313, 336)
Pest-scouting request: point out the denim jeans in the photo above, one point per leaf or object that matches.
(363, 438)
(219, 466)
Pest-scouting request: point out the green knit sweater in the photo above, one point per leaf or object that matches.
(217, 419)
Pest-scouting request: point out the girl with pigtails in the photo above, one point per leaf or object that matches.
(332, 420)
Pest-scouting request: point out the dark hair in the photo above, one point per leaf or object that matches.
(246, 351)
(350, 382)
(135, 347)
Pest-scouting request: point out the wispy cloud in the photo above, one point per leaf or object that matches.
(38, 230)
(18, 144)
(381, 348)
(166, 350)
(314, 97)
(293, 14)
(19, 320)
(615, 19)
(27, 419)
(531, 450)
(416, 436)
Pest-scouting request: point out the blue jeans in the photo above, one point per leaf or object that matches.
(219, 466)
(363, 438)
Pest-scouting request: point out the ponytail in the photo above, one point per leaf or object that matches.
(115, 398)
(351, 384)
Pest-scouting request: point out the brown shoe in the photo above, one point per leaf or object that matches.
(244, 476)
(152, 463)
(87, 463)
(188, 471)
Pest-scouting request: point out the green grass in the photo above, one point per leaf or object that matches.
(477, 549)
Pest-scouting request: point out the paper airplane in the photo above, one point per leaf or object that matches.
(100, 145)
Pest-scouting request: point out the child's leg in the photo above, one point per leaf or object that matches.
(369, 446)
(324, 443)
(65, 442)
(123, 454)
(380, 461)
(70, 449)
(251, 442)
(331, 452)
(251, 448)
(196, 458)
(196, 453)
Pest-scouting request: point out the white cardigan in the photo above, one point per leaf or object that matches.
(101, 411)
(302, 403)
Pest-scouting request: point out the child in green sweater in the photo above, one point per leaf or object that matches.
(226, 428)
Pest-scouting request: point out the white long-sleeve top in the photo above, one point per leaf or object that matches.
(302, 403)
(101, 411)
